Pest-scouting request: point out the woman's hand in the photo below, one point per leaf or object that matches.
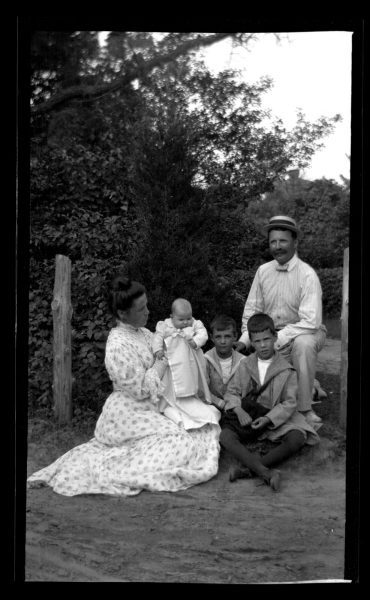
(243, 416)
(160, 366)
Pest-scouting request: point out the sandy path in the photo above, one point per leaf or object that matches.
(216, 532)
(329, 358)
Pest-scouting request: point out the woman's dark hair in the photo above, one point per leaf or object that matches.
(122, 293)
(260, 322)
(222, 322)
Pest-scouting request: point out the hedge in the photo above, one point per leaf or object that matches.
(331, 282)
(91, 323)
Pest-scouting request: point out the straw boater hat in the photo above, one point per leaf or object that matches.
(283, 222)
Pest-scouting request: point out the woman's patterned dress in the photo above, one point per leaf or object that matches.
(134, 447)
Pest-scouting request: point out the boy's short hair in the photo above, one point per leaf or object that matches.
(260, 322)
(222, 322)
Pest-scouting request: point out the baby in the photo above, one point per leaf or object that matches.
(186, 396)
(181, 322)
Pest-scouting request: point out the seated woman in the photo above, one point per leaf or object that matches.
(134, 447)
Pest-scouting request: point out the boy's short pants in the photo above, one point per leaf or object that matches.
(229, 420)
(245, 433)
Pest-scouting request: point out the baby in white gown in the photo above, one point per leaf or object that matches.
(186, 398)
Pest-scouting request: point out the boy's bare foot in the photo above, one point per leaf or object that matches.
(239, 473)
(274, 478)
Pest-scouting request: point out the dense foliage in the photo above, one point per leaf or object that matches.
(168, 177)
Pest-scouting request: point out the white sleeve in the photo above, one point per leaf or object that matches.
(200, 335)
(253, 304)
(310, 312)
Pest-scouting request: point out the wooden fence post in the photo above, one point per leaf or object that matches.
(344, 346)
(62, 313)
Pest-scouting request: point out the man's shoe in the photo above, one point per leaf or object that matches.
(315, 397)
(316, 426)
(311, 416)
(239, 473)
(319, 392)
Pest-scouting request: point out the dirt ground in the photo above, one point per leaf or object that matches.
(216, 532)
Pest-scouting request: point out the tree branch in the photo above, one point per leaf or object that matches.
(92, 92)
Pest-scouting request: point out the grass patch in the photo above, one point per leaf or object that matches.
(329, 408)
(47, 440)
(334, 327)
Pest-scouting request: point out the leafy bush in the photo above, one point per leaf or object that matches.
(40, 338)
(331, 282)
(91, 322)
(134, 179)
(96, 246)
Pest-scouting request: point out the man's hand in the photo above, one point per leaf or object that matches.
(260, 422)
(244, 418)
(240, 347)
